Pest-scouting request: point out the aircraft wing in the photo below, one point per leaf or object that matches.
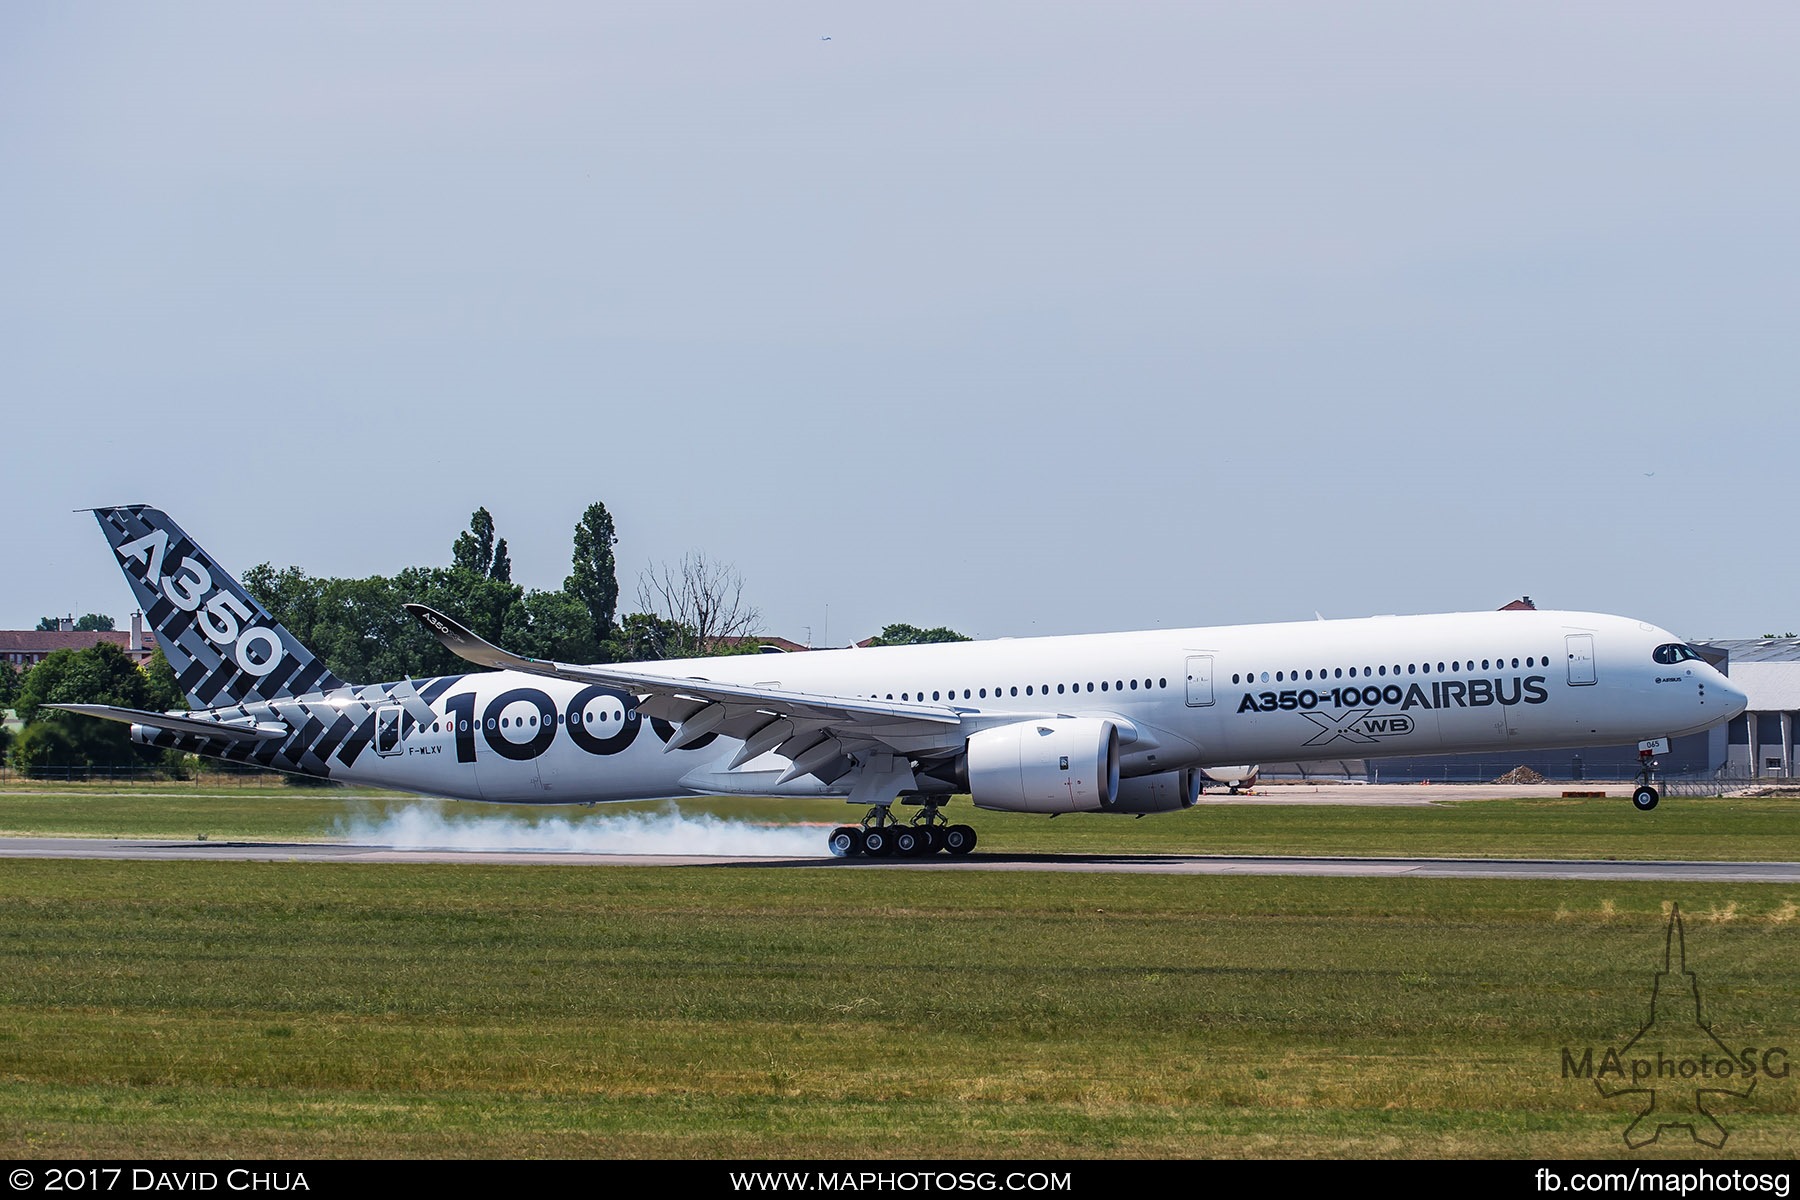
(818, 733)
(261, 731)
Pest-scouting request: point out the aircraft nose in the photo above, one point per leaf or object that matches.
(1728, 695)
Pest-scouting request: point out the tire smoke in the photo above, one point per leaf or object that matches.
(424, 826)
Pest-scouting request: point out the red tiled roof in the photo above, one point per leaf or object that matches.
(764, 640)
(45, 641)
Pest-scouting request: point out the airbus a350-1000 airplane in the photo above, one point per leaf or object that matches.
(1110, 722)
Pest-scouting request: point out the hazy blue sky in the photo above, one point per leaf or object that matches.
(1017, 317)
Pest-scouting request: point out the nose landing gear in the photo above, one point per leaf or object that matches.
(1645, 797)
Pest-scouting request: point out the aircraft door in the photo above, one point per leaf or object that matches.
(1199, 680)
(387, 731)
(1581, 660)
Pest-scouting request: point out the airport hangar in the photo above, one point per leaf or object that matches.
(1758, 744)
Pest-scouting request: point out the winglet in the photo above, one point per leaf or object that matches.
(463, 642)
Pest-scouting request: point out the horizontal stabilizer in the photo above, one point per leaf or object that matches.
(261, 731)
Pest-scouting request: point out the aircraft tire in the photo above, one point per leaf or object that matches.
(1644, 799)
(932, 838)
(959, 840)
(877, 842)
(908, 843)
(846, 841)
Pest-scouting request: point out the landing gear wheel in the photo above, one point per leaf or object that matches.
(877, 842)
(959, 840)
(932, 837)
(846, 841)
(908, 843)
(1645, 798)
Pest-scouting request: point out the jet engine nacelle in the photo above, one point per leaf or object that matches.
(1057, 765)
(1167, 792)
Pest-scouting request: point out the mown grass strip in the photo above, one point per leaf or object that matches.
(247, 1008)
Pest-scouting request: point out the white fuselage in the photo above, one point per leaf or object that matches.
(1182, 698)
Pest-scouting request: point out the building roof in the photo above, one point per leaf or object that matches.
(1752, 650)
(46, 641)
(762, 640)
(1766, 668)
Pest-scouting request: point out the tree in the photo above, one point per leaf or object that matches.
(553, 625)
(502, 567)
(703, 601)
(100, 674)
(912, 635)
(645, 637)
(473, 549)
(89, 623)
(594, 581)
(9, 685)
(162, 690)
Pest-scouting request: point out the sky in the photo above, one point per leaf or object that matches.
(1018, 317)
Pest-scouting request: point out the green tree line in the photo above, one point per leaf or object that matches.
(361, 631)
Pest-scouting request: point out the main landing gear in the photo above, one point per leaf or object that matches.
(882, 834)
(1646, 796)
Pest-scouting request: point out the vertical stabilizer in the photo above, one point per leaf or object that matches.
(224, 647)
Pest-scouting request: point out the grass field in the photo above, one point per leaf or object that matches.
(242, 1009)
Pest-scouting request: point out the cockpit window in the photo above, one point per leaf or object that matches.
(1670, 653)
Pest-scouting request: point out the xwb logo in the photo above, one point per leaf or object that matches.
(1359, 725)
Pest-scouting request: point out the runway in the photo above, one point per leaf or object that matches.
(1129, 864)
